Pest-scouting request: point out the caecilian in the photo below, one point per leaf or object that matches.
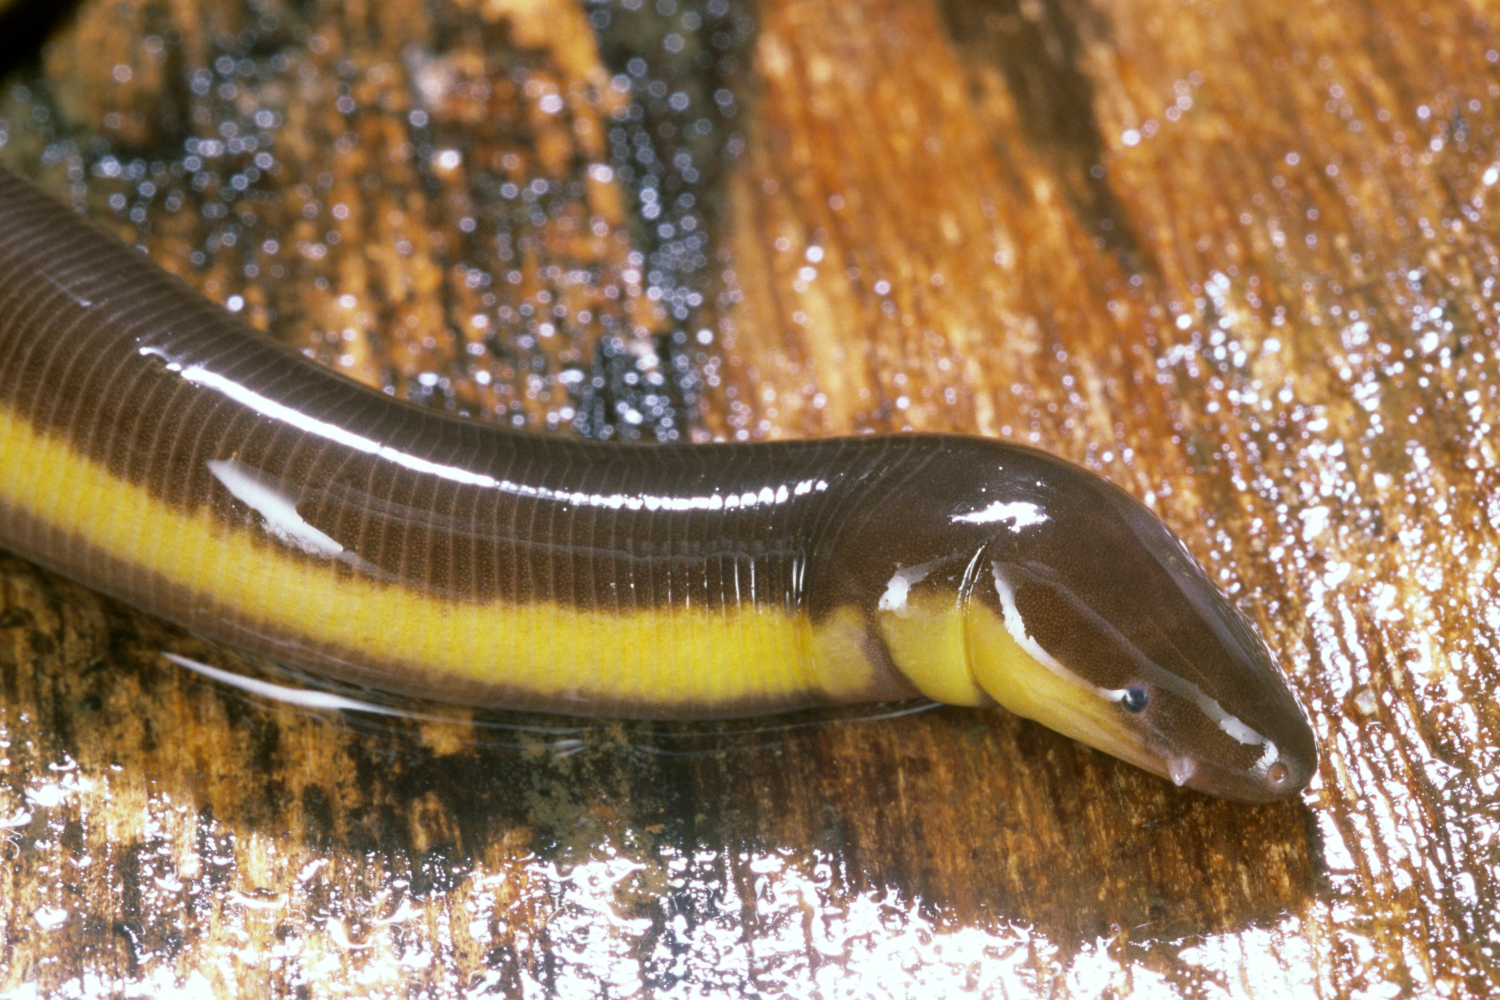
(157, 449)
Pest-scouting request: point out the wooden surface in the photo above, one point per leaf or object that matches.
(1241, 258)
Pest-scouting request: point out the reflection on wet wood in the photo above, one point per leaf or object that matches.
(1239, 259)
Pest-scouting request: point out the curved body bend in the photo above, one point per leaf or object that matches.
(155, 448)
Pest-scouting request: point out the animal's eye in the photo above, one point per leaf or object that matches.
(1135, 698)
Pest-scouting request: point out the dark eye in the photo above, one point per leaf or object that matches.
(1134, 699)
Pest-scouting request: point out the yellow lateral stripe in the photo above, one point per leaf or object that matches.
(675, 656)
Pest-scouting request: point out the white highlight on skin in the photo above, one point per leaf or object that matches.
(321, 701)
(198, 375)
(1016, 626)
(314, 700)
(899, 586)
(1177, 767)
(1018, 513)
(280, 512)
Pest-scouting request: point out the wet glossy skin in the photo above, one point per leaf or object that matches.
(154, 448)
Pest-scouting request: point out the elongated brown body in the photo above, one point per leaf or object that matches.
(157, 449)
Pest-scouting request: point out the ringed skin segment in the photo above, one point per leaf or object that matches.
(157, 449)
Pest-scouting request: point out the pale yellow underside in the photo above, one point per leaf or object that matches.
(1015, 679)
(927, 639)
(964, 655)
(555, 655)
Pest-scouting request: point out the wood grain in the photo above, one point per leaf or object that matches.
(1240, 258)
